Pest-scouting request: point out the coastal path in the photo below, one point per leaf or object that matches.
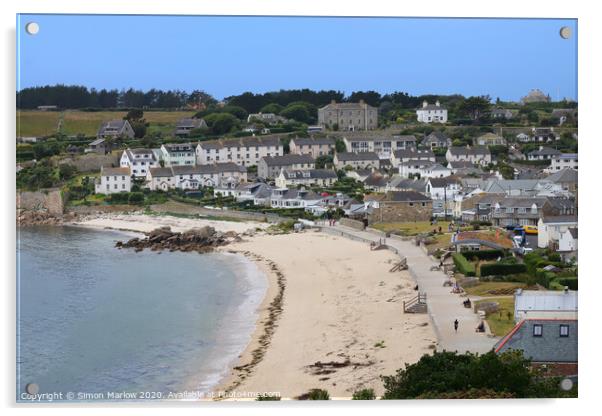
(443, 306)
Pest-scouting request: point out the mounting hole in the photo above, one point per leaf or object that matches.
(565, 32)
(32, 388)
(32, 28)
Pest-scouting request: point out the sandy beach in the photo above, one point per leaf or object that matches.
(339, 325)
(145, 223)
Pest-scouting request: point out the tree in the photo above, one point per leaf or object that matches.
(66, 171)
(339, 145)
(136, 119)
(369, 97)
(297, 112)
(446, 373)
(221, 123)
(271, 108)
(475, 107)
(322, 161)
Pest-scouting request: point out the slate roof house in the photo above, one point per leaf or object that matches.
(186, 125)
(436, 139)
(431, 113)
(348, 116)
(320, 177)
(567, 178)
(476, 154)
(551, 344)
(362, 160)
(270, 166)
(98, 146)
(115, 128)
(498, 113)
(543, 153)
(490, 139)
(312, 146)
(405, 155)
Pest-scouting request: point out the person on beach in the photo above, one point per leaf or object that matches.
(456, 325)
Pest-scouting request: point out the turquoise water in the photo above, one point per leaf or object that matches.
(95, 319)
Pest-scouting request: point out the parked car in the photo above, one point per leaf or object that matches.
(530, 229)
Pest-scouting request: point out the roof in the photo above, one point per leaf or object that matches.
(437, 135)
(475, 150)
(430, 107)
(178, 147)
(568, 156)
(346, 106)
(564, 176)
(490, 136)
(114, 171)
(300, 141)
(310, 174)
(412, 153)
(189, 122)
(441, 182)
(545, 300)
(559, 219)
(573, 232)
(97, 142)
(376, 180)
(161, 172)
(406, 196)
(112, 124)
(286, 160)
(549, 347)
(349, 156)
(400, 183)
(522, 202)
(242, 142)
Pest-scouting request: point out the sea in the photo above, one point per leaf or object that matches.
(97, 323)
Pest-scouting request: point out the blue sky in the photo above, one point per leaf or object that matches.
(229, 55)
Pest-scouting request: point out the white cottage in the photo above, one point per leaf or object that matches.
(113, 180)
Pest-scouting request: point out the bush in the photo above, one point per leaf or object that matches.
(484, 254)
(315, 394)
(267, 398)
(571, 282)
(119, 198)
(502, 269)
(136, 198)
(364, 394)
(463, 265)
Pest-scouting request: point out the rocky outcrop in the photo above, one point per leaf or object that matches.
(201, 240)
(43, 207)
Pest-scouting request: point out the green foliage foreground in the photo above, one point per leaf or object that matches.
(451, 375)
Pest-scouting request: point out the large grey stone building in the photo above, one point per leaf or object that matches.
(348, 116)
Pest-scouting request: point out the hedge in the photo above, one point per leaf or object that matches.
(501, 269)
(484, 254)
(463, 265)
(570, 282)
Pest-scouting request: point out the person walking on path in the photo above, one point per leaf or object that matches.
(456, 325)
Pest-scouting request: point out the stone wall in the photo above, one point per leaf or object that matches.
(49, 201)
(91, 162)
(358, 225)
(401, 212)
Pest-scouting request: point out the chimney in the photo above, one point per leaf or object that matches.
(333, 101)
(540, 147)
(437, 103)
(566, 290)
(424, 104)
(361, 101)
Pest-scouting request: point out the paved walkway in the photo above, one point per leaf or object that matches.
(443, 306)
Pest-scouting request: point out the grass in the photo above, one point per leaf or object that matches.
(411, 228)
(43, 123)
(36, 123)
(493, 288)
(498, 321)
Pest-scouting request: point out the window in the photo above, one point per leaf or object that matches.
(564, 331)
(537, 330)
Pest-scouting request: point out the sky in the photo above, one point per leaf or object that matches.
(226, 56)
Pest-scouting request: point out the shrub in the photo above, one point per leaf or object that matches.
(136, 198)
(315, 394)
(119, 198)
(364, 394)
(463, 265)
(502, 269)
(267, 398)
(484, 254)
(571, 282)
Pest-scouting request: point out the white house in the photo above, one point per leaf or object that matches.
(189, 177)
(543, 153)
(423, 168)
(138, 161)
(320, 177)
(541, 303)
(568, 241)
(563, 161)
(477, 154)
(113, 180)
(246, 151)
(430, 113)
(315, 147)
(293, 198)
(490, 139)
(178, 154)
(381, 144)
(405, 155)
(550, 228)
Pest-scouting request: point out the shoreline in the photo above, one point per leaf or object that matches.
(268, 313)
